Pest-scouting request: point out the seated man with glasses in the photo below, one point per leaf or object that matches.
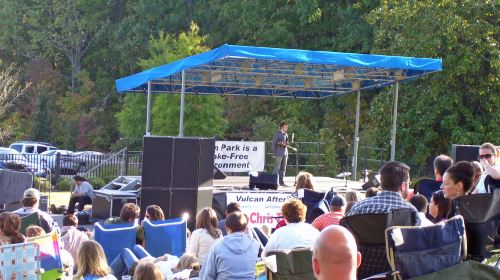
(488, 157)
(395, 182)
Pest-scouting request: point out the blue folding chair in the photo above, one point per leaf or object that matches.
(165, 237)
(114, 238)
(415, 251)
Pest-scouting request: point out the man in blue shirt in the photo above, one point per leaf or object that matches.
(82, 193)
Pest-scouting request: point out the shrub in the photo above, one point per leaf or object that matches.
(97, 182)
(42, 184)
(109, 178)
(64, 184)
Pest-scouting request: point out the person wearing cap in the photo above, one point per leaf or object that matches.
(31, 203)
(82, 193)
(337, 206)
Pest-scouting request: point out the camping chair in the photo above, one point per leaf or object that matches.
(415, 251)
(369, 232)
(168, 236)
(50, 256)
(481, 213)
(316, 204)
(426, 187)
(464, 270)
(20, 261)
(291, 264)
(115, 237)
(32, 219)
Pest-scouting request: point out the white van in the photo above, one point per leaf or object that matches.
(31, 147)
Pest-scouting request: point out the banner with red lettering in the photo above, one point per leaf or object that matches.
(262, 207)
(240, 156)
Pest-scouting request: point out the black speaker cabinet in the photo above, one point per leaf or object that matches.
(44, 203)
(157, 162)
(264, 181)
(464, 152)
(108, 203)
(185, 182)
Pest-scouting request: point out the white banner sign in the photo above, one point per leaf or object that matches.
(240, 156)
(262, 208)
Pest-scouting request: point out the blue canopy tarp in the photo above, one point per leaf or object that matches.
(260, 71)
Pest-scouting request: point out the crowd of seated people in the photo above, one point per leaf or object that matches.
(229, 249)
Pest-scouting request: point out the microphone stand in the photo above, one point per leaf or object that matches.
(348, 147)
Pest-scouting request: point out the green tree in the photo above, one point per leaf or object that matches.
(10, 91)
(42, 123)
(458, 105)
(203, 114)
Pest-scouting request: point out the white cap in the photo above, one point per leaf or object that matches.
(31, 193)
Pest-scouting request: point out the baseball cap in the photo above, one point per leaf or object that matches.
(337, 201)
(31, 193)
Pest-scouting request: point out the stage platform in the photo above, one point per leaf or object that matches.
(321, 184)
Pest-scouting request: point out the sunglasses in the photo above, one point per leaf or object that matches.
(485, 156)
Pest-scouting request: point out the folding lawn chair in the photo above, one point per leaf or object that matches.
(50, 255)
(165, 237)
(481, 213)
(369, 232)
(415, 251)
(20, 261)
(292, 264)
(114, 238)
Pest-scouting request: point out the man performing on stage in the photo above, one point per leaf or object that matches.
(280, 151)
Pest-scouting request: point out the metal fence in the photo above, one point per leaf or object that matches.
(310, 156)
(105, 166)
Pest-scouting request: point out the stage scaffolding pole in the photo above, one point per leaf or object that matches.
(356, 138)
(394, 121)
(183, 94)
(148, 111)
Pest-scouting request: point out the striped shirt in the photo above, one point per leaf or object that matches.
(327, 219)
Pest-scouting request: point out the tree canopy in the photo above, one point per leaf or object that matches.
(70, 53)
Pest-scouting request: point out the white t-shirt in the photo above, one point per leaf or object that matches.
(423, 220)
(200, 242)
(293, 235)
(480, 185)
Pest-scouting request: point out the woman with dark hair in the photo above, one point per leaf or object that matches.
(10, 225)
(205, 235)
(457, 180)
(439, 206)
(154, 213)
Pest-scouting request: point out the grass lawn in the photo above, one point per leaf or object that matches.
(58, 198)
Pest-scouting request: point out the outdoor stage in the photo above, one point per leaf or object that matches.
(322, 184)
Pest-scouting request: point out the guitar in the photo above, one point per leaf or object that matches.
(284, 144)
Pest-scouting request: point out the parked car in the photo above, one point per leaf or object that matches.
(87, 159)
(32, 147)
(49, 159)
(87, 153)
(11, 156)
